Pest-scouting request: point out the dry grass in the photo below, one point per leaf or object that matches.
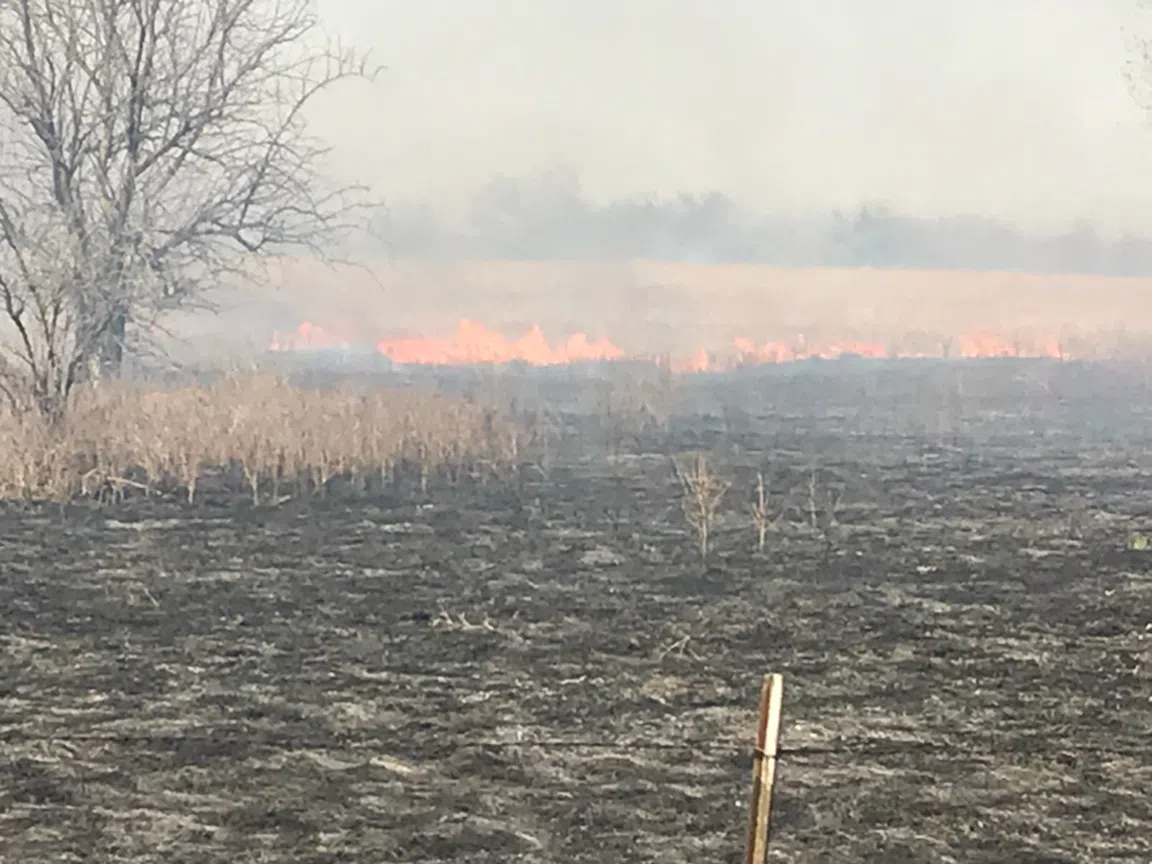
(257, 434)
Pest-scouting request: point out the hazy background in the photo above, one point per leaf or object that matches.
(1016, 111)
(587, 137)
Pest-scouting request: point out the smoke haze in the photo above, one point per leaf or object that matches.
(536, 153)
(1015, 110)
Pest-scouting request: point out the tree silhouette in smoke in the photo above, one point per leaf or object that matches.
(547, 216)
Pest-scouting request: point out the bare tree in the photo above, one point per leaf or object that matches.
(149, 150)
(814, 510)
(823, 504)
(762, 518)
(703, 492)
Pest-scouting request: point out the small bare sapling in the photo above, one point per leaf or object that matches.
(813, 509)
(822, 507)
(761, 518)
(703, 492)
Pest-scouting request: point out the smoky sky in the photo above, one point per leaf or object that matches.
(1014, 109)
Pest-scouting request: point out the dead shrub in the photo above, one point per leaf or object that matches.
(703, 490)
(762, 518)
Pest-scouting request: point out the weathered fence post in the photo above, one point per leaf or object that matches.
(764, 768)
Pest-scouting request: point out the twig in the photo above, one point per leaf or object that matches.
(680, 646)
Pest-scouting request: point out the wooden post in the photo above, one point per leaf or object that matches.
(764, 768)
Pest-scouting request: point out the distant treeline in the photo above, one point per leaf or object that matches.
(547, 217)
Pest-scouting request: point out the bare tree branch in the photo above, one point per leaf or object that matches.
(149, 150)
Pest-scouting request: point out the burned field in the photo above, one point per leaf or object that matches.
(956, 583)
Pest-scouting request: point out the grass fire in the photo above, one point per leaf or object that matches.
(475, 344)
(444, 445)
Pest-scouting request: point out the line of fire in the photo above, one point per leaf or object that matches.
(473, 343)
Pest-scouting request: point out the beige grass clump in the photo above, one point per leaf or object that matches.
(256, 434)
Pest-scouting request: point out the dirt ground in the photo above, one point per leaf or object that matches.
(544, 670)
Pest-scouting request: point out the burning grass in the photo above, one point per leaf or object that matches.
(257, 435)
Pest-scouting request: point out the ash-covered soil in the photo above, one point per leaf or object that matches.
(544, 671)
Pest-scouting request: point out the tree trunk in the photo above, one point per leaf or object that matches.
(110, 357)
(106, 358)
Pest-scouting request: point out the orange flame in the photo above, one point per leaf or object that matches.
(981, 344)
(700, 361)
(474, 344)
(312, 337)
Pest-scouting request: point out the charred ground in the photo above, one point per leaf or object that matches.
(543, 669)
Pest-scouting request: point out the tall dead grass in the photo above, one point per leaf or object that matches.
(257, 435)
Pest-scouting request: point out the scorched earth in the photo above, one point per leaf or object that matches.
(958, 591)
